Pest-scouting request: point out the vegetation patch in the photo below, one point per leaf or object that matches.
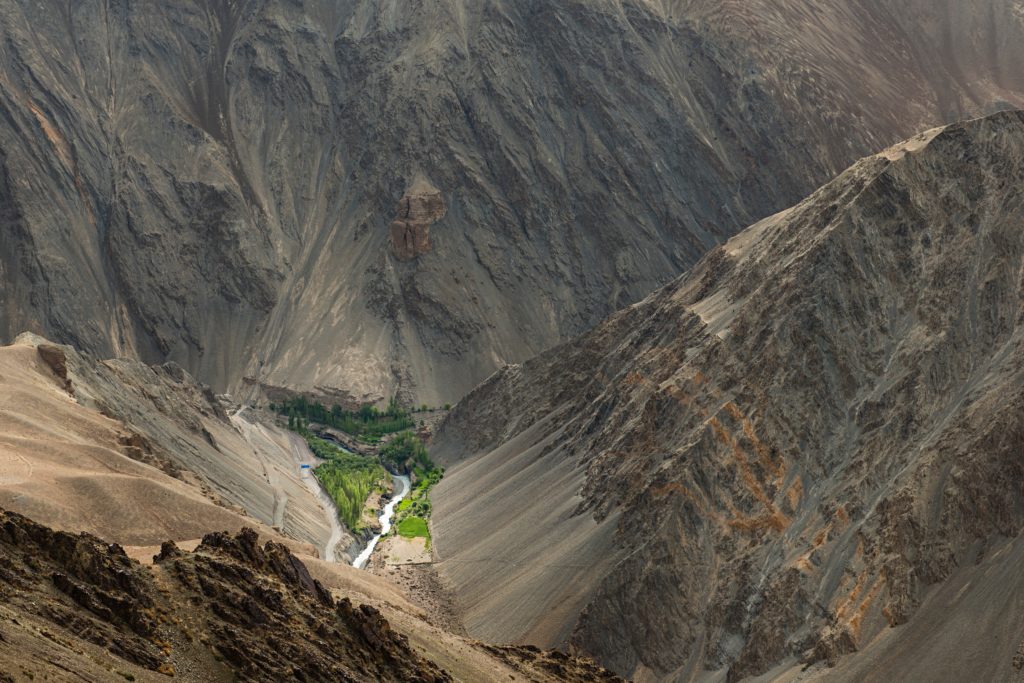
(413, 527)
(348, 478)
(406, 453)
(412, 513)
(368, 423)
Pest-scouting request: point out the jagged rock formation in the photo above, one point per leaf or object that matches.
(229, 611)
(420, 207)
(75, 608)
(804, 452)
(212, 182)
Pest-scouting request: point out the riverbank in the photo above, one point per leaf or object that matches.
(402, 486)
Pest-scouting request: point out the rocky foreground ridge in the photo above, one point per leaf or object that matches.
(806, 453)
(73, 607)
(231, 608)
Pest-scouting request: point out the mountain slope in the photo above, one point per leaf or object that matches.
(373, 196)
(783, 455)
(142, 454)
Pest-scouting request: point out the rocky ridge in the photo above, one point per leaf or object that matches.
(75, 607)
(232, 610)
(788, 452)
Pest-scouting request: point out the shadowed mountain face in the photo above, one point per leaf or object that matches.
(809, 446)
(374, 196)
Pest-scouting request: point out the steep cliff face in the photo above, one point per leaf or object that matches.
(797, 451)
(215, 182)
(420, 207)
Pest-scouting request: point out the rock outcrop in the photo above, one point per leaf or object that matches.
(75, 608)
(55, 358)
(212, 182)
(808, 448)
(229, 608)
(420, 207)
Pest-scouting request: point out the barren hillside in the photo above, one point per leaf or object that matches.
(804, 453)
(147, 460)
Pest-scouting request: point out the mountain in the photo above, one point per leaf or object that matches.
(213, 563)
(804, 453)
(365, 197)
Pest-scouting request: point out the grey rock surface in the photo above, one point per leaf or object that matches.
(213, 182)
(241, 460)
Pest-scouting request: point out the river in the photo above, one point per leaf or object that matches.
(402, 486)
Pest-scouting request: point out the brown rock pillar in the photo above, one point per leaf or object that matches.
(420, 207)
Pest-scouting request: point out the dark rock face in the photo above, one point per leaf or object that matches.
(558, 665)
(805, 435)
(420, 207)
(256, 610)
(214, 182)
(82, 584)
(57, 361)
(253, 620)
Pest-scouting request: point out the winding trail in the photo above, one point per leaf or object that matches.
(330, 552)
(302, 455)
(385, 518)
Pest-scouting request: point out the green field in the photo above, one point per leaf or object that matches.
(413, 527)
(414, 511)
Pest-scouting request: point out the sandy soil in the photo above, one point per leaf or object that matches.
(408, 565)
(62, 464)
(395, 550)
(547, 558)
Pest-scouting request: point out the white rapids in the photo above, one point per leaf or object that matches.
(402, 486)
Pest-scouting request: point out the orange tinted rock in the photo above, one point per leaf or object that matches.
(420, 207)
